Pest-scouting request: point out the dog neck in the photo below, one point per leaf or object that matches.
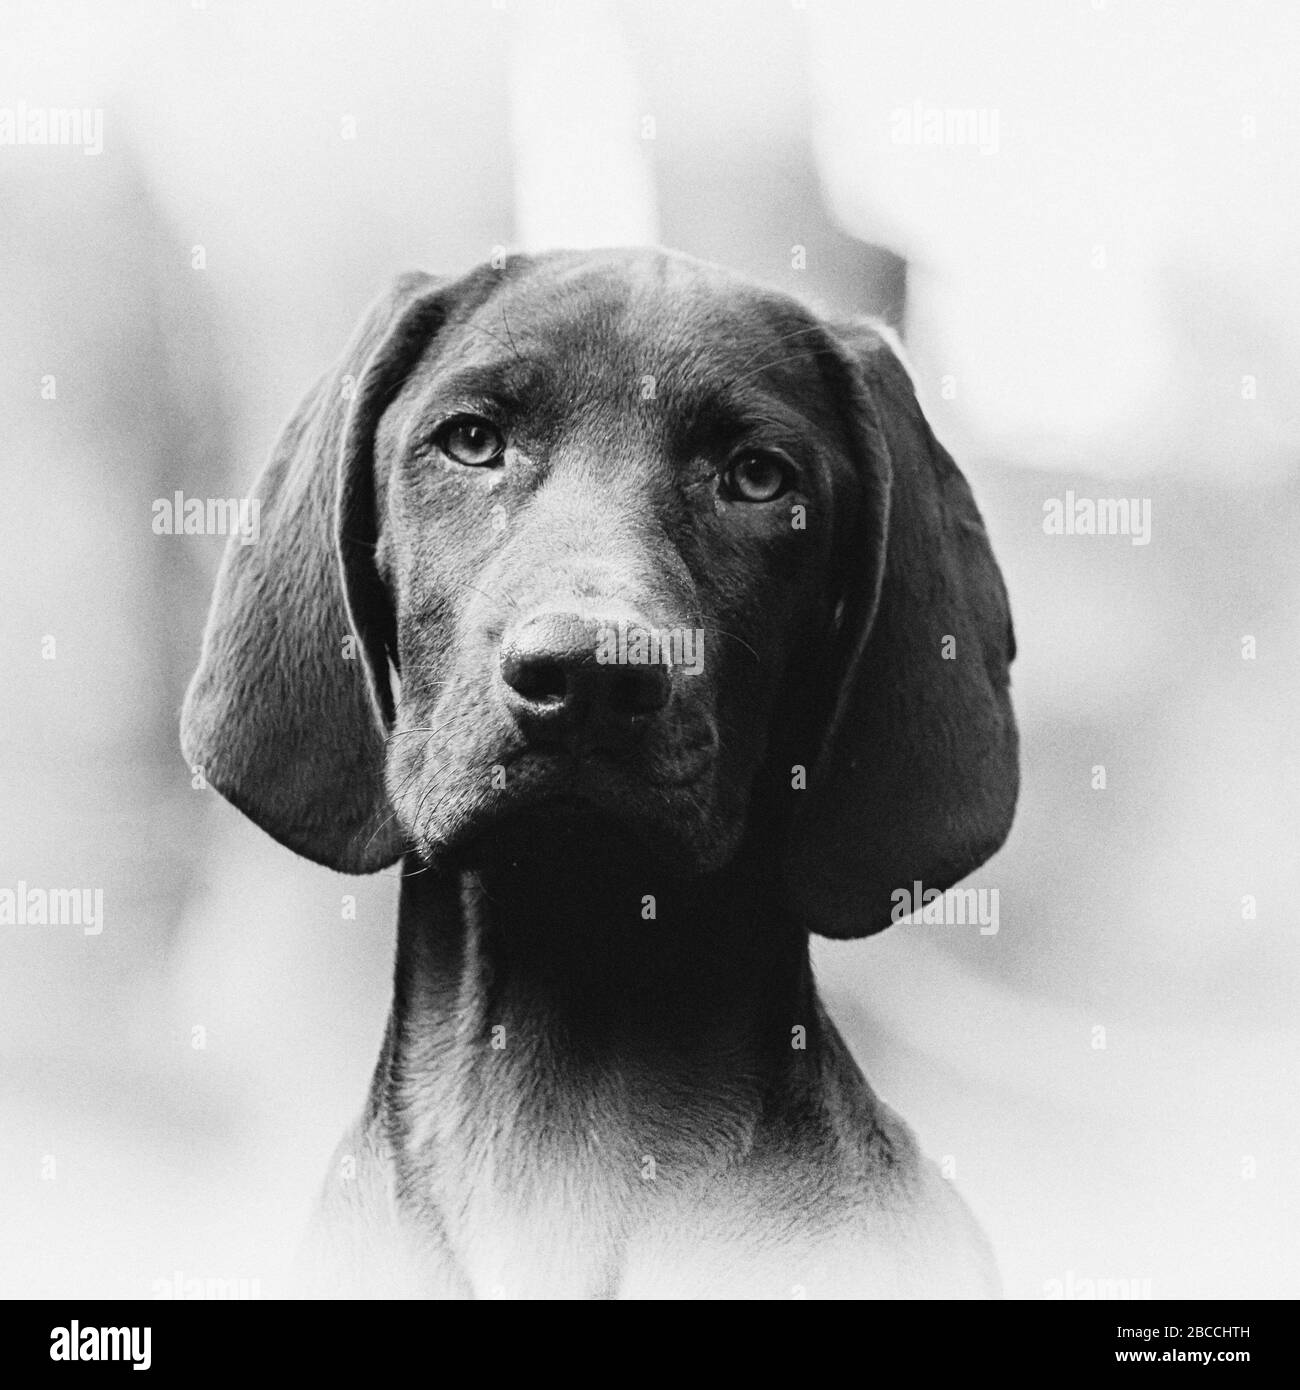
(584, 1008)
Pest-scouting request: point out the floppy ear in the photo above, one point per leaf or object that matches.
(917, 775)
(287, 712)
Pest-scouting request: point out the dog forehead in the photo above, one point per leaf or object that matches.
(636, 314)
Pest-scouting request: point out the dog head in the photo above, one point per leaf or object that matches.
(613, 548)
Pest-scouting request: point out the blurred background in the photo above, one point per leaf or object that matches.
(1081, 214)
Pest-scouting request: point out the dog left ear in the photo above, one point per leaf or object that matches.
(288, 711)
(917, 775)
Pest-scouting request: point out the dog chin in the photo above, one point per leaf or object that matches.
(548, 840)
(672, 835)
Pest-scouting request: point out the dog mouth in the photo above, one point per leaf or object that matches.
(558, 805)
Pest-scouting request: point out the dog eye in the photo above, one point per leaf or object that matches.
(470, 440)
(757, 476)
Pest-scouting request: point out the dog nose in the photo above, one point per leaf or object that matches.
(568, 680)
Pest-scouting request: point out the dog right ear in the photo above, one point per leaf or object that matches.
(287, 713)
(918, 772)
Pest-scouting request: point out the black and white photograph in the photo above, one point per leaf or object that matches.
(650, 652)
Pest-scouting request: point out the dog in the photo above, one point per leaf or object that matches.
(635, 610)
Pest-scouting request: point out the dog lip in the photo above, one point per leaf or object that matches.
(558, 785)
(696, 764)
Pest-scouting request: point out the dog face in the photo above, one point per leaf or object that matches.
(607, 533)
(592, 551)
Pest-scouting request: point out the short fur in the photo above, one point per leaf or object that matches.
(606, 1071)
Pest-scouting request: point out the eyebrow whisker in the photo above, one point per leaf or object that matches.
(781, 338)
(509, 344)
(505, 322)
(780, 362)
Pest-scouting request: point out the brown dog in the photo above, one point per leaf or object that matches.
(638, 610)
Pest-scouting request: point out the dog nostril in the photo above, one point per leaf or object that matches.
(559, 684)
(538, 680)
